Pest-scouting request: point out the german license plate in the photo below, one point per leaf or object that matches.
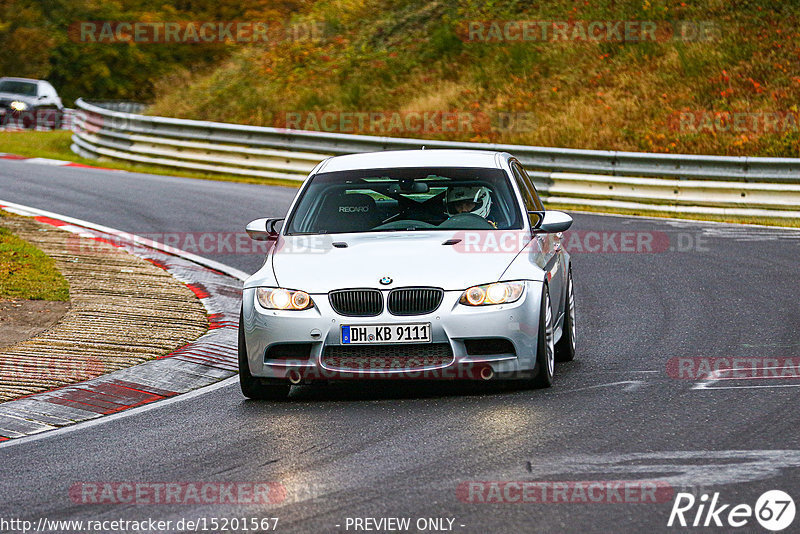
(386, 333)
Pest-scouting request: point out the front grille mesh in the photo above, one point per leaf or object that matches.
(357, 302)
(414, 300)
(387, 357)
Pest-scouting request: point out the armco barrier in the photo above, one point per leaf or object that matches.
(739, 186)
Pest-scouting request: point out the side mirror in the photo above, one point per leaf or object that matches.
(551, 222)
(263, 229)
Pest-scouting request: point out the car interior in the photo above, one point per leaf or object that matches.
(386, 203)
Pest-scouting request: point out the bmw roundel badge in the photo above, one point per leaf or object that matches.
(386, 280)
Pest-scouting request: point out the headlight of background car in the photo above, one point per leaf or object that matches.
(19, 106)
(276, 298)
(489, 294)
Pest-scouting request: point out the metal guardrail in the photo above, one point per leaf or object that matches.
(123, 106)
(665, 182)
(66, 119)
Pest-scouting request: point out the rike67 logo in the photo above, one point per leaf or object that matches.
(774, 510)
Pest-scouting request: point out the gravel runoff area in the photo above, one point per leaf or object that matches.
(123, 311)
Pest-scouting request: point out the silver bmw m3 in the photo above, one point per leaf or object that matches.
(419, 264)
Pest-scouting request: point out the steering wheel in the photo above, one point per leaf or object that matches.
(414, 212)
(404, 224)
(467, 221)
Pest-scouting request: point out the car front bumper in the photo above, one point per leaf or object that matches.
(511, 328)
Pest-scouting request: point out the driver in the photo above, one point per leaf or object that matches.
(461, 199)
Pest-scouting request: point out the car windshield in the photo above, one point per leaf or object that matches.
(17, 87)
(406, 199)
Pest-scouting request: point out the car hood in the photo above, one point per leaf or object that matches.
(315, 265)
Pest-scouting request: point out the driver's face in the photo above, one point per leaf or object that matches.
(463, 206)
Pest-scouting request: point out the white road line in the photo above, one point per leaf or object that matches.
(677, 468)
(765, 386)
(630, 386)
(47, 161)
(716, 376)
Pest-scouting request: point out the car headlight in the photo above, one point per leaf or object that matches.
(276, 298)
(16, 105)
(490, 294)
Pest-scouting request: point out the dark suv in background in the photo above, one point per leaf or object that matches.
(28, 103)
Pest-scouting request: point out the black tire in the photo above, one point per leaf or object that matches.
(545, 352)
(565, 348)
(254, 387)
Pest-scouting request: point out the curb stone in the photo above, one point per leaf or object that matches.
(210, 358)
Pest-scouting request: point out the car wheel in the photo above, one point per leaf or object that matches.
(565, 348)
(254, 387)
(545, 351)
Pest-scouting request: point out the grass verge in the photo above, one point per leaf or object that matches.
(26, 272)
